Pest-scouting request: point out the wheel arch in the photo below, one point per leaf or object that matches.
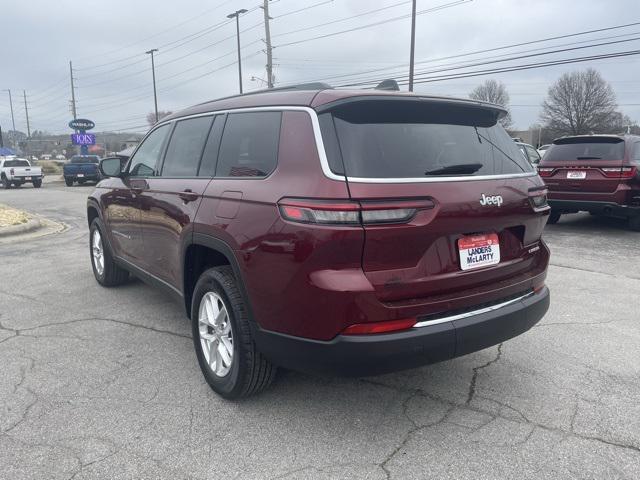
(201, 253)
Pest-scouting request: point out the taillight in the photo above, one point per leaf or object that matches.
(619, 172)
(11, 171)
(327, 212)
(545, 171)
(380, 327)
(538, 198)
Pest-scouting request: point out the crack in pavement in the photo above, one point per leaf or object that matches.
(476, 370)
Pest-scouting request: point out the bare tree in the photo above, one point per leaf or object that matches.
(495, 92)
(580, 103)
(151, 117)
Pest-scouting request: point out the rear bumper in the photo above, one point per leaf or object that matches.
(84, 176)
(601, 208)
(436, 341)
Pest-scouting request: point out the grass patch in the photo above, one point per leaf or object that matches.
(11, 216)
(50, 167)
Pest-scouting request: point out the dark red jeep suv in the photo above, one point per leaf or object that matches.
(594, 173)
(322, 230)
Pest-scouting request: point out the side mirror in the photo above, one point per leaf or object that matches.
(111, 167)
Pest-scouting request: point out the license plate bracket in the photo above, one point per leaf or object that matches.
(477, 251)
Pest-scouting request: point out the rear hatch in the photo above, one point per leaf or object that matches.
(461, 181)
(80, 165)
(19, 168)
(585, 164)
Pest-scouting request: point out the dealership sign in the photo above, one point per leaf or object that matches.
(81, 124)
(83, 138)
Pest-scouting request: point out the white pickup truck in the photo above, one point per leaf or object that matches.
(16, 171)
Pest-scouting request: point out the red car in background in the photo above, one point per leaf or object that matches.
(594, 173)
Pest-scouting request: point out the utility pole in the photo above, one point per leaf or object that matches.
(26, 112)
(73, 92)
(153, 74)
(13, 121)
(236, 15)
(267, 34)
(413, 44)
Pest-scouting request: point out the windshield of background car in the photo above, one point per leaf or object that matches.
(416, 139)
(16, 163)
(586, 149)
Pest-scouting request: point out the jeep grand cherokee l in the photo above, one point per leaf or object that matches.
(594, 173)
(355, 232)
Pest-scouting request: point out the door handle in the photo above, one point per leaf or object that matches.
(188, 195)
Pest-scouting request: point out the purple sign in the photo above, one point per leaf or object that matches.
(83, 138)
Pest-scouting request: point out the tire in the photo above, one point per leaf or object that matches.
(634, 223)
(248, 372)
(108, 273)
(37, 183)
(553, 218)
(68, 181)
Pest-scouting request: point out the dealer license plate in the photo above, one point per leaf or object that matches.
(27, 178)
(478, 251)
(80, 175)
(577, 175)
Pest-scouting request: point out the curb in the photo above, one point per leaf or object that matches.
(29, 226)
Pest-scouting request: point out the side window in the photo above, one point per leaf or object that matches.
(249, 145)
(185, 147)
(636, 152)
(145, 161)
(210, 154)
(534, 156)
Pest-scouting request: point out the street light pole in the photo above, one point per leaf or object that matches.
(13, 121)
(413, 44)
(236, 15)
(153, 73)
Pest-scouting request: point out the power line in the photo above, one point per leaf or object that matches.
(375, 24)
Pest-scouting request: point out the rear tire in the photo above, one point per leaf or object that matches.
(553, 218)
(106, 271)
(247, 372)
(68, 181)
(6, 183)
(37, 183)
(634, 223)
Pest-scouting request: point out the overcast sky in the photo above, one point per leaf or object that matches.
(196, 61)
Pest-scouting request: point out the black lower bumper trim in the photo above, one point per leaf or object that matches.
(353, 355)
(600, 208)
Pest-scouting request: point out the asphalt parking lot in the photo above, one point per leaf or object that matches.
(103, 383)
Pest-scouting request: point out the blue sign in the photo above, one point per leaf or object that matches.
(83, 138)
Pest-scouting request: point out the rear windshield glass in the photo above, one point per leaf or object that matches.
(586, 149)
(84, 159)
(16, 163)
(420, 139)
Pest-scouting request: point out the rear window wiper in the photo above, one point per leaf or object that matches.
(460, 169)
(588, 158)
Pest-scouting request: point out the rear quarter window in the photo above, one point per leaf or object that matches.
(419, 140)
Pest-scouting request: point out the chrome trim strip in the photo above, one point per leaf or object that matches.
(473, 313)
(322, 154)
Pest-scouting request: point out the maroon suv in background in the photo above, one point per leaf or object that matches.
(594, 173)
(353, 232)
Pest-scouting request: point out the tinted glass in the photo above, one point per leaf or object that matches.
(413, 141)
(636, 152)
(16, 163)
(586, 149)
(249, 146)
(145, 160)
(534, 156)
(185, 147)
(210, 154)
(85, 159)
